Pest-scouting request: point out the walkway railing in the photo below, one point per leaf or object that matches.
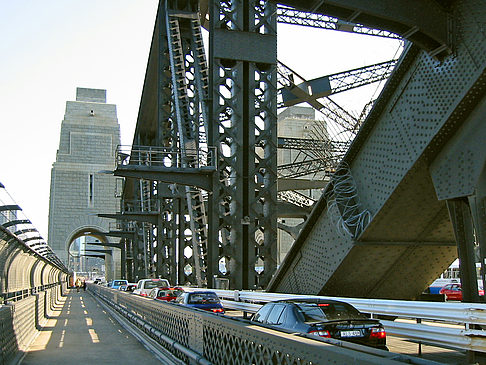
(167, 157)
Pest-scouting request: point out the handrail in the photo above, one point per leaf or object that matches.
(204, 157)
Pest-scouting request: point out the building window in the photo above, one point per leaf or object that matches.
(91, 190)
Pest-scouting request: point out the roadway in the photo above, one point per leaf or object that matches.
(84, 331)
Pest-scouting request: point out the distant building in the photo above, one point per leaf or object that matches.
(80, 190)
(297, 122)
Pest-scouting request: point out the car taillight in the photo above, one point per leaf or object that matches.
(143, 294)
(320, 333)
(377, 332)
(218, 310)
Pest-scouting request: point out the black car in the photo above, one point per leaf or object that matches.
(206, 300)
(324, 318)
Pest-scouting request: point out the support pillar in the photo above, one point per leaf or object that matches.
(464, 232)
(243, 111)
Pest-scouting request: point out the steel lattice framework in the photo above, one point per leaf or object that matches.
(288, 15)
(243, 90)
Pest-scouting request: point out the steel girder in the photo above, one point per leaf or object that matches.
(426, 23)
(289, 15)
(174, 247)
(243, 213)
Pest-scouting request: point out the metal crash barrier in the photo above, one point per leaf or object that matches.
(418, 321)
(198, 337)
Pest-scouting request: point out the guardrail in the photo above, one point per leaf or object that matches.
(463, 317)
(199, 337)
(167, 157)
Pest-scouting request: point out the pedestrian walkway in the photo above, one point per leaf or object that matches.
(80, 331)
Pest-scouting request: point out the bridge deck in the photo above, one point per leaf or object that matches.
(81, 332)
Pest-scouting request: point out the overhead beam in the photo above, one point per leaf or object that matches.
(139, 217)
(423, 22)
(200, 177)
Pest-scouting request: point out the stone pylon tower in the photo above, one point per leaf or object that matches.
(90, 134)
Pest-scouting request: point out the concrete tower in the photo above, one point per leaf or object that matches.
(90, 134)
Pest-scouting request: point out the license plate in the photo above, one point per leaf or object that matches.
(350, 333)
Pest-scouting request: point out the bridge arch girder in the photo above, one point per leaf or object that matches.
(423, 22)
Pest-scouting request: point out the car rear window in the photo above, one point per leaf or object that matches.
(275, 316)
(155, 284)
(262, 313)
(200, 298)
(321, 312)
(119, 282)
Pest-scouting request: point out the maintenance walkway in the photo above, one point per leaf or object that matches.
(82, 331)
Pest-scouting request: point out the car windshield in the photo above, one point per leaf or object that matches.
(155, 284)
(200, 298)
(322, 312)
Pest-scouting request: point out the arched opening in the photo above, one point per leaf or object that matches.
(90, 255)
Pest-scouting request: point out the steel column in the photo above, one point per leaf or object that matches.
(243, 91)
(463, 230)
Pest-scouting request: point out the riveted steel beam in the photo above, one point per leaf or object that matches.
(139, 217)
(201, 178)
(243, 94)
(424, 22)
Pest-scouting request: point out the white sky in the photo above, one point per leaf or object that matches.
(50, 47)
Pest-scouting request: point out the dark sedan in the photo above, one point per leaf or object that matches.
(205, 300)
(324, 318)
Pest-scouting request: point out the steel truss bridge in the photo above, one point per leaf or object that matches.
(406, 186)
(405, 193)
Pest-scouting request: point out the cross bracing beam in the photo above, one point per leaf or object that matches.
(295, 92)
(288, 15)
(95, 256)
(289, 210)
(304, 144)
(201, 177)
(423, 22)
(132, 216)
(99, 251)
(290, 184)
(120, 234)
(107, 244)
(296, 198)
(306, 167)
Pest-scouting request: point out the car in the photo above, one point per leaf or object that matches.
(166, 294)
(454, 292)
(202, 299)
(115, 284)
(144, 286)
(130, 287)
(323, 318)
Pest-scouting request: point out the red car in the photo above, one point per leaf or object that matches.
(166, 294)
(454, 292)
